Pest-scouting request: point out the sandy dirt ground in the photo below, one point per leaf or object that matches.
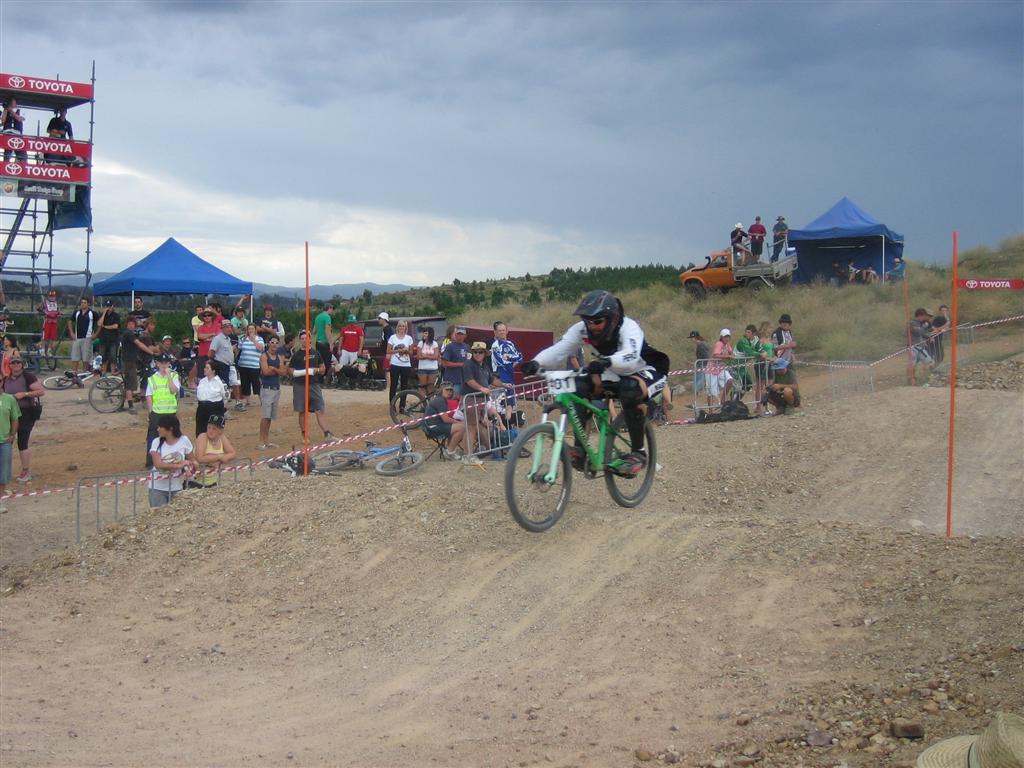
(782, 598)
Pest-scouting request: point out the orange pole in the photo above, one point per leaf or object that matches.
(305, 416)
(906, 312)
(952, 388)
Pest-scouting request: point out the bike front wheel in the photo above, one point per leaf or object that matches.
(399, 464)
(414, 408)
(629, 491)
(106, 394)
(535, 502)
(57, 382)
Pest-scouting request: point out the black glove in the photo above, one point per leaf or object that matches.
(598, 366)
(530, 368)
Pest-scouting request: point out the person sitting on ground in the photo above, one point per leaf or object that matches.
(628, 366)
(439, 423)
(172, 457)
(213, 450)
(898, 271)
(782, 397)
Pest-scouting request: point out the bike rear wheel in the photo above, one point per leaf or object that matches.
(106, 394)
(57, 382)
(399, 464)
(336, 462)
(629, 491)
(415, 406)
(535, 503)
(49, 359)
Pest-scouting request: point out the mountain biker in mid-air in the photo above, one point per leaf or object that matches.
(627, 366)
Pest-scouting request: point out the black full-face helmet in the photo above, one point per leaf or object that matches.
(600, 305)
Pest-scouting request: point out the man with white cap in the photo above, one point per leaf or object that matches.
(740, 253)
(716, 376)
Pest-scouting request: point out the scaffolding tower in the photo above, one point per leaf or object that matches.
(45, 186)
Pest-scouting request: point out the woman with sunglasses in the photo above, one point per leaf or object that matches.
(637, 369)
(27, 390)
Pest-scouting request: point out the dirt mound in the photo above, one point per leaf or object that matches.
(1007, 375)
(776, 590)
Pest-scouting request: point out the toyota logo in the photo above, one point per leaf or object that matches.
(970, 284)
(16, 81)
(15, 142)
(13, 169)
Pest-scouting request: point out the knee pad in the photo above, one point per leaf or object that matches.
(630, 393)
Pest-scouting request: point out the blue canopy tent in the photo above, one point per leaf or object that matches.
(172, 268)
(848, 235)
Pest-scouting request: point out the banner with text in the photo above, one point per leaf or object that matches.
(45, 145)
(42, 85)
(990, 284)
(68, 174)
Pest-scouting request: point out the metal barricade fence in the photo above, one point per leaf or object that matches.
(715, 381)
(850, 377)
(498, 415)
(115, 497)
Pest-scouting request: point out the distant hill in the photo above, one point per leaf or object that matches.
(323, 292)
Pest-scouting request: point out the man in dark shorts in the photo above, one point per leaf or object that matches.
(132, 352)
(300, 375)
(109, 335)
(441, 424)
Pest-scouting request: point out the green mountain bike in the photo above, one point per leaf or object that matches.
(538, 481)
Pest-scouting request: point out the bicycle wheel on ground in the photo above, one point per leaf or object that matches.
(630, 491)
(535, 503)
(106, 394)
(399, 464)
(415, 405)
(57, 382)
(335, 462)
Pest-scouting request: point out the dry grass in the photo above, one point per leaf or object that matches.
(829, 323)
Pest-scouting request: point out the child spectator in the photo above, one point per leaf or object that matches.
(172, 457)
(718, 378)
(213, 450)
(784, 346)
(428, 354)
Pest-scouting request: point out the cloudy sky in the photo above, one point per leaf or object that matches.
(418, 142)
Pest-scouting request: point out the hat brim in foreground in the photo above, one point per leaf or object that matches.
(951, 753)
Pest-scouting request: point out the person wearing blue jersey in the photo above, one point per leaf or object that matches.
(504, 357)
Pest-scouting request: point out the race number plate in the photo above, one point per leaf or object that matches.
(561, 382)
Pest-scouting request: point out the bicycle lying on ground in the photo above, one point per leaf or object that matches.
(68, 379)
(388, 461)
(538, 484)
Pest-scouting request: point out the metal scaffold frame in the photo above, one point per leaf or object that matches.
(26, 223)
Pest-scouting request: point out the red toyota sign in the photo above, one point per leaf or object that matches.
(41, 85)
(45, 145)
(69, 174)
(987, 284)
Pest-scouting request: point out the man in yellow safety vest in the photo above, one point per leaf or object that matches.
(161, 398)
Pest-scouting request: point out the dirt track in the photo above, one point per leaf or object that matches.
(783, 582)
